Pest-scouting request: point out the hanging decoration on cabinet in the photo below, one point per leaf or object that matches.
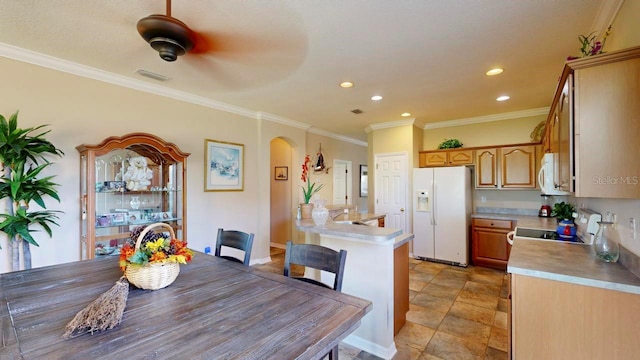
(320, 166)
(138, 175)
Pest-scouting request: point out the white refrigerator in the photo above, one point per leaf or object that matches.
(441, 214)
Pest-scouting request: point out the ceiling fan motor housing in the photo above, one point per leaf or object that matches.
(167, 35)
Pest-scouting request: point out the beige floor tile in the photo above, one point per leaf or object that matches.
(432, 302)
(426, 356)
(406, 352)
(498, 339)
(466, 329)
(425, 316)
(429, 267)
(420, 275)
(449, 281)
(500, 320)
(495, 354)
(417, 285)
(490, 302)
(488, 278)
(456, 273)
(473, 312)
(447, 346)
(414, 335)
(441, 291)
(503, 305)
(482, 288)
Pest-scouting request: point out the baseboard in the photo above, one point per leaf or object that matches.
(370, 347)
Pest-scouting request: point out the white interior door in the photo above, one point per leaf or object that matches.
(391, 182)
(342, 180)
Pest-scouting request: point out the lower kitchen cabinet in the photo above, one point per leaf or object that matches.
(400, 287)
(489, 246)
(558, 320)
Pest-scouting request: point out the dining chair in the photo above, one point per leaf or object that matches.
(237, 240)
(320, 258)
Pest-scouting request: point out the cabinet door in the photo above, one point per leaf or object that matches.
(435, 158)
(607, 130)
(563, 174)
(460, 157)
(518, 166)
(486, 168)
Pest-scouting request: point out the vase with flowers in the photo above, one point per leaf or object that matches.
(308, 190)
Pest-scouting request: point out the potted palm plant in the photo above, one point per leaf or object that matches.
(24, 155)
(564, 213)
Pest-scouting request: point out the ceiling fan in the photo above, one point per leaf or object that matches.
(167, 35)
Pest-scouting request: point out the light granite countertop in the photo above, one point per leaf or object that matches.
(524, 221)
(571, 263)
(360, 232)
(358, 217)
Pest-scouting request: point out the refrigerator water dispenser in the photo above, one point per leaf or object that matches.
(423, 200)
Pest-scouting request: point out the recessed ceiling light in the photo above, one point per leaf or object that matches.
(376, 98)
(405, 114)
(346, 84)
(503, 98)
(495, 71)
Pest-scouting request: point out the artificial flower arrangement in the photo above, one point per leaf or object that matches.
(155, 248)
(589, 45)
(311, 188)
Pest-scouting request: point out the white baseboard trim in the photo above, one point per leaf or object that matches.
(370, 347)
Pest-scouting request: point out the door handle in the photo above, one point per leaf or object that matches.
(401, 209)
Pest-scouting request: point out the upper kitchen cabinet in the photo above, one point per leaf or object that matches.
(506, 167)
(127, 182)
(597, 119)
(446, 158)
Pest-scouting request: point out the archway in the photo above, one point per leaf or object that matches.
(281, 192)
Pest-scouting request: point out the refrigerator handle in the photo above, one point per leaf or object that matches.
(434, 215)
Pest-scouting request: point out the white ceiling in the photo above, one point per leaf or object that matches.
(286, 57)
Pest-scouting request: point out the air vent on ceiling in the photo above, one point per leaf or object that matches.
(357, 111)
(152, 75)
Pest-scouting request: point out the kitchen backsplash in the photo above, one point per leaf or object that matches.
(506, 211)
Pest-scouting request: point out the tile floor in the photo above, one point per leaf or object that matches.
(455, 313)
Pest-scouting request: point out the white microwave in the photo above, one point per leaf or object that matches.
(546, 176)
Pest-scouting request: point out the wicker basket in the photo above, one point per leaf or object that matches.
(152, 276)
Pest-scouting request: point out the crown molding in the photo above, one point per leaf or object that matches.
(604, 17)
(50, 62)
(488, 118)
(390, 124)
(338, 137)
(261, 115)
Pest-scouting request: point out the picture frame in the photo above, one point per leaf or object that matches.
(281, 173)
(364, 178)
(224, 166)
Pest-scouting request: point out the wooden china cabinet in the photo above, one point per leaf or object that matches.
(113, 201)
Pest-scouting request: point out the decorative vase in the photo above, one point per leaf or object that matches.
(135, 203)
(566, 229)
(305, 210)
(605, 247)
(320, 214)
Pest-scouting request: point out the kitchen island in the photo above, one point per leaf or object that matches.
(215, 309)
(376, 268)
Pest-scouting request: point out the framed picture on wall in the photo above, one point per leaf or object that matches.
(281, 173)
(364, 178)
(224, 166)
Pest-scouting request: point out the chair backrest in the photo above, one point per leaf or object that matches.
(237, 240)
(317, 257)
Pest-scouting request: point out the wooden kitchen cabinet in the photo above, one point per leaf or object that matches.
(111, 206)
(558, 320)
(487, 168)
(593, 126)
(445, 158)
(400, 286)
(489, 246)
(518, 164)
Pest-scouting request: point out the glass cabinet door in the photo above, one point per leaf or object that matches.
(128, 186)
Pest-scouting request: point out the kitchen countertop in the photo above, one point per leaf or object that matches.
(358, 217)
(560, 261)
(525, 221)
(379, 235)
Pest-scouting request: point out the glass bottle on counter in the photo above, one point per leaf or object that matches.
(605, 247)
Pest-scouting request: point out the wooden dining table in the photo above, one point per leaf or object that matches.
(215, 309)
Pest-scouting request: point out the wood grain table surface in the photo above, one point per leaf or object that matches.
(216, 309)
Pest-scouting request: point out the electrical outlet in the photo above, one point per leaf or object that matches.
(632, 228)
(614, 220)
(483, 199)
